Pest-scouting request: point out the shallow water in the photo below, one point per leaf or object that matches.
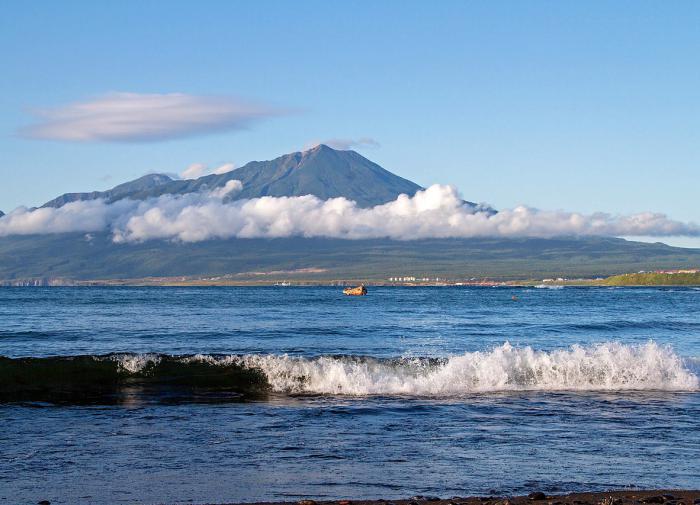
(406, 391)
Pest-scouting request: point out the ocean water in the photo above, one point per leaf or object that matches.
(201, 395)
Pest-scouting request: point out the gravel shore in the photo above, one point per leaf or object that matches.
(636, 497)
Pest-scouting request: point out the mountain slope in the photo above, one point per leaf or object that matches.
(80, 256)
(321, 171)
(142, 185)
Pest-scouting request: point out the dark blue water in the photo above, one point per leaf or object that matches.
(182, 395)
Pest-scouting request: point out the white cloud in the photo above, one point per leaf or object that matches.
(196, 170)
(344, 144)
(193, 171)
(86, 216)
(229, 188)
(224, 169)
(133, 117)
(437, 212)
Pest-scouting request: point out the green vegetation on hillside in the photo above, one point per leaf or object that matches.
(653, 279)
(96, 256)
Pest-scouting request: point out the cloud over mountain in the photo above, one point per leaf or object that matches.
(436, 212)
(345, 144)
(134, 117)
(193, 171)
(196, 170)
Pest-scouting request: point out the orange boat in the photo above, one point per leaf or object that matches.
(358, 291)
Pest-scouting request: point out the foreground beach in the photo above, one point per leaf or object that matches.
(656, 496)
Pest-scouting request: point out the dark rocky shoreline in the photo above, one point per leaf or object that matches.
(631, 497)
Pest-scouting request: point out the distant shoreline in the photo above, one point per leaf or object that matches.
(629, 497)
(641, 279)
(338, 284)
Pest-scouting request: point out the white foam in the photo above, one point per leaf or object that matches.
(609, 366)
(603, 367)
(134, 363)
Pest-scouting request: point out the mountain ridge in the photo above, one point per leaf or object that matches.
(118, 192)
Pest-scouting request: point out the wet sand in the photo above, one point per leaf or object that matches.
(636, 497)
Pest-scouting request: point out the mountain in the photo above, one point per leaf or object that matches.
(326, 173)
(321, 171)
(141, 186)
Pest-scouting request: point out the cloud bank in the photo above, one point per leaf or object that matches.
(436, 212)
(133, 117)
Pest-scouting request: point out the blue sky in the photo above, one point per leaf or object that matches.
(588, 106)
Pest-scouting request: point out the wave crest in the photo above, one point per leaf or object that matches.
(603, 367)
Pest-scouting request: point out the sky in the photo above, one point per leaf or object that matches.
(579, 106)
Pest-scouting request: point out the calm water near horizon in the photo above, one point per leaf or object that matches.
(196, 395)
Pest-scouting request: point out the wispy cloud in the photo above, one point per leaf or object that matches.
(134, 117)
(345, 144)
(223, 169)
(193, 171)
(436, 212)
(196, 170)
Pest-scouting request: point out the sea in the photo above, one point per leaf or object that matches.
(150, 395)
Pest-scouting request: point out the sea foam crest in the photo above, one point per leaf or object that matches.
(609, 366)
(134, 363)
(602, 367)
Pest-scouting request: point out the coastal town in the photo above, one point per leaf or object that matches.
(303, 278)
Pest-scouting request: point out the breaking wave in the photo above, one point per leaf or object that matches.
(603, 367)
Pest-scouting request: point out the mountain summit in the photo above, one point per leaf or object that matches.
(321, 171)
